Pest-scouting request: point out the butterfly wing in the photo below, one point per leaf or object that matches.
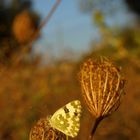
(67, 118)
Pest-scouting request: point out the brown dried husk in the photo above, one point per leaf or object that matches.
(23, 27)
(102, 86)
(43, 131)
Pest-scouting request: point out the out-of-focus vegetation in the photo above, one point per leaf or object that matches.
(18, 23)
(29, 91)
(134, 6)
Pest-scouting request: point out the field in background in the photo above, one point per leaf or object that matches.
(29, 93)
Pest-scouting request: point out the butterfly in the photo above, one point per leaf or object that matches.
(67, 118)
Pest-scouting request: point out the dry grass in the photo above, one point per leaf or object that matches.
(29, 93)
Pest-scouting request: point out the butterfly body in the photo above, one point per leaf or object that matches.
(67, 118)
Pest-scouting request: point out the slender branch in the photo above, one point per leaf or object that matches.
(45, 21)
(37, 31)
(97, 121)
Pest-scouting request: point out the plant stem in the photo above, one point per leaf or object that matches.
(67, 137)
(50, 14)
(46, 20)
(97, 121)
(37, 31)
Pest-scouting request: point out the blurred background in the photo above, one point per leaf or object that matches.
(40, 59)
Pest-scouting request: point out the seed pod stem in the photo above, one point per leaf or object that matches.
(97, 122)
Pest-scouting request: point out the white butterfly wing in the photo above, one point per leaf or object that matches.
(67, 118)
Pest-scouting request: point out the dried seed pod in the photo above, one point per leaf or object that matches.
(23, 27)
(102, 86)
(43, 131)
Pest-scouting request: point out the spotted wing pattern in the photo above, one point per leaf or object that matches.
(67, 118)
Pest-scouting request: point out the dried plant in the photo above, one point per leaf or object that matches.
(43, 131)
(103, 88)
(23, 27)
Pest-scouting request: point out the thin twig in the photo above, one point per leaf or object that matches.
(97, 121)
(37, 31)
(45, 21)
